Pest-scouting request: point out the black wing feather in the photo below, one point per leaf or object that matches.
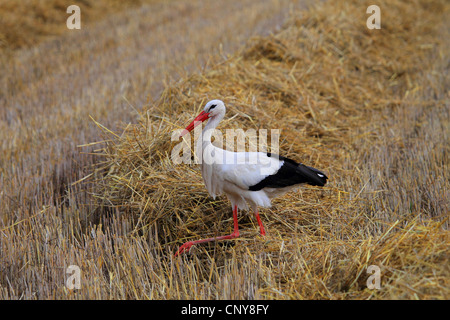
(291, 173)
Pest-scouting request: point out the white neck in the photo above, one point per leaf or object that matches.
(210, 126)
(205, 140)
(212, 153)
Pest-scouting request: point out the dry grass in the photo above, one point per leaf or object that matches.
(30, 22)
(370, 108)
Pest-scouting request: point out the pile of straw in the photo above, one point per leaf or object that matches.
(330, 84)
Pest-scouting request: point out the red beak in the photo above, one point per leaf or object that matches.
(198, 120)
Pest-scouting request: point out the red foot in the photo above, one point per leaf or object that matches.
(261, 226)
(263, 232)
(185, 247)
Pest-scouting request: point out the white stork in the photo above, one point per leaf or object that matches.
(253, 177)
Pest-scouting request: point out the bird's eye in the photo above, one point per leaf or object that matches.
(212, 107)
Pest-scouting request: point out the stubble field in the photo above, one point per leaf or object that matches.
(85, 134)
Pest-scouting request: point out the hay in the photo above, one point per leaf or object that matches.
(328, 82)
(27, 23)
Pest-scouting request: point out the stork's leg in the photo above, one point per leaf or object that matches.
(261, 226)
(186, 246)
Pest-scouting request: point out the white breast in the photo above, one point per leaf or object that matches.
(234, 172)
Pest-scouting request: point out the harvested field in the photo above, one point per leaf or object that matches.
(368, 107)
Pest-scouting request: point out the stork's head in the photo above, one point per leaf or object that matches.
(214, 109)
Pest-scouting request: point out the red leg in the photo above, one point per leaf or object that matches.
(261, 227)
(187, 246)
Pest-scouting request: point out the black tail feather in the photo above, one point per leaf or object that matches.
(291, 173)
(313, 176)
